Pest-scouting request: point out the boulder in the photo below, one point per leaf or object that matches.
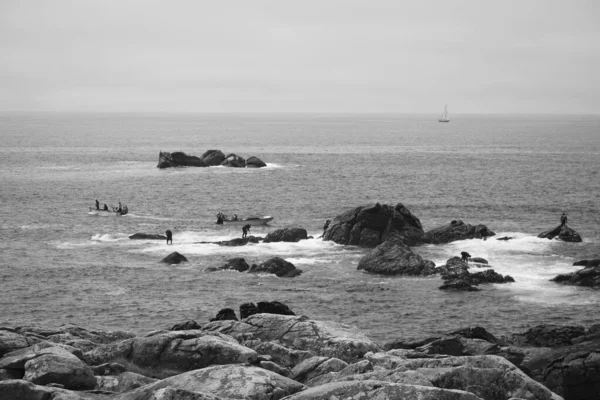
(227, 382)
(563, 233)
(456, 276)
(549, 335)
(235, 264)
(588, 277)
(277, 266)
(239, 241)
(326, 339)
(371, 225)
(186, 326)
(18, 389)
(315, 367)
(456, 230)
(267, 307)
(11, 341)
(255, 162)
(479, 260)
(286, 357)
(56, 365)
(123, 382)
(394, 258)
(178, 159)
(224, 315)
(147, 236)
(286, 235)
(174, 258)
(213, 157)
(233, 160)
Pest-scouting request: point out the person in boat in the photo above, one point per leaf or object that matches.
(465, 256)
(105, 207)
(563, 220)
(97, 204)
(245, 230)
(169, 236)
(326, 225)
(219, 219)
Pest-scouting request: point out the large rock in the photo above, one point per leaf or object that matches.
(286, 235)
(173, 352)
(233, 160)
(235, 264)
(588, 277)
(456, 230)
(255, 162)
(227, 382)
(563, 233)
(267, 307)
(456, 276)
(56, 365)
(549, 335)
(174, 258)
(371, 225)
(147, 236)
(393, 258)
(239, 241)
(225, 314)
(277, 266)
(281, 355)
(325, 339)
(11, 341)
(178, 159)
(123, 382)
(213, 157)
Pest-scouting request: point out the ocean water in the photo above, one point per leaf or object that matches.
(516, 174)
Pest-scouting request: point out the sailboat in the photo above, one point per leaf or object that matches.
(444, 118)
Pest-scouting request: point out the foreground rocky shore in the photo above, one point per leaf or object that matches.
(272, 354)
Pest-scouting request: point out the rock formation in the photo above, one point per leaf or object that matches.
(266, 307)
(588, 276)
(456, 275)
(178, 159)
(236, 264)
(563, 233)
(277, 266)
(213, 157)
(293, 234)
(456, 230)
(394, 258)
(371, 225)
(174, 258)
(225, 314)
(147, 236)
(255, 162)
(587, 263)
(233, 160)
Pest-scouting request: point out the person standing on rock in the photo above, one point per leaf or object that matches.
(563, 220)
(465, 256)
(169, 236)
(245, 230)
(326, 226)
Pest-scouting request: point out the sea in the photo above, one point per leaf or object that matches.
(514, 173)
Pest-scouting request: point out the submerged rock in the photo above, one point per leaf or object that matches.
(255, 162)
(277, 266)
(391, 258)
(293, 234)
(174, 258)
(147, 236)
(236, 264)
(456, 230)
(178, 159)
(371, 225)
(563, 233)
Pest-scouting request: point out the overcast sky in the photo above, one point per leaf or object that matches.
(300, 56)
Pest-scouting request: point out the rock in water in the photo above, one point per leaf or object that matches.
(178, 159)
(371, 225)
(392, 258)
(456, 230)
(563, 233)
(233, 160)
(255, 162)
(286, 235)
(236, 264)
(588, 277)
(225, 314)
(277, 266)
(147, 236)
(213, 157)
(174, 258)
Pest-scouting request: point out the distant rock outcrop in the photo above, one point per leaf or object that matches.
(588, 277)
(147, 236)
(233, 160)
(178, 159)
(371, 225)
(456, 276)
(213, 157)
(236, 264)
(293, 234)
(456, 230)
(563, 233)
(255, 162)
(391, 258)
(277, 266)
(264, 307)
(174, 258)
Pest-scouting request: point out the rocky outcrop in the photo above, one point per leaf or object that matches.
(371, 225)
(588, 277)
(213, 157)
(147, 236)
(11, 340)
(277, 266)
(225, 314)
(236, 242)
(267, 307)
(255, 162)
(233, 160)
(456, 276)
(178, 159)
(293, 234)
(563, 233)
(393, 258)
(456, 230)
(587, 263)
(186, 326)
(174, 258)
(235, 264)
(123, 382)
(58, 366)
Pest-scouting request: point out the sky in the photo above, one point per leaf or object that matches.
(327, 56)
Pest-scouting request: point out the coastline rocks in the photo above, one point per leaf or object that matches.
(56, 365)
(237, 241)
(255, 162)
(277, 266)
(233, 160)
(236, 264)
(266, 307)
(588, 277)
(370, 225)
(456, 276)
(587, 263)
(123, 382)
(549, 335)
(456, 230)
(391, 258)
(186, 326)
(174, 258)
(147, 236)
(563, 233)
(213, 157)
(225, 314)
(178, 159)
(292, 234)
(11, 341)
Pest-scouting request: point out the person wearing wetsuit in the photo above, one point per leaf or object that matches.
(563, 220)
(245, 230)
(169, 236)
(97, 204)
(326, 225)
(105, 207)
(465, 256)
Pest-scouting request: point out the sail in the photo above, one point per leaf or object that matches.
(444, 117)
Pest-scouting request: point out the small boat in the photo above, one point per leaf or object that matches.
(109, 213)
(252, 221)
(444, 118)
